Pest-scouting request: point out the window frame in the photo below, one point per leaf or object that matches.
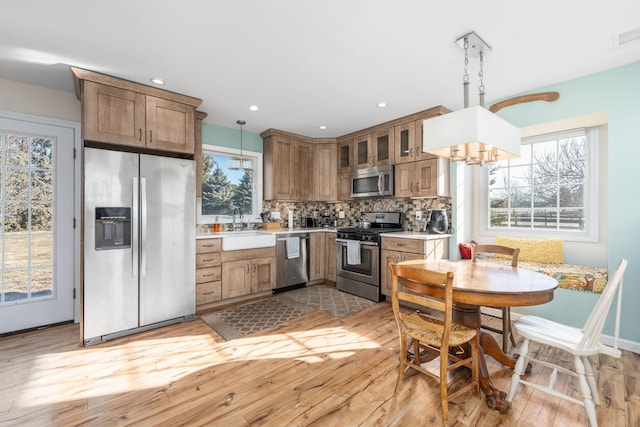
(257, 183)
(589, 234)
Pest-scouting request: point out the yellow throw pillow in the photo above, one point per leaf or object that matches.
(547, 251)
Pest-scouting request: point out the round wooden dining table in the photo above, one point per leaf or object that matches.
(477, 284)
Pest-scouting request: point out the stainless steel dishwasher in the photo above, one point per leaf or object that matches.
(292, 261)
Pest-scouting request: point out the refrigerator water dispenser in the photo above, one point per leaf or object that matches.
(113, 228)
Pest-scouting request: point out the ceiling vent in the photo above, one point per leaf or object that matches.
(626, 37)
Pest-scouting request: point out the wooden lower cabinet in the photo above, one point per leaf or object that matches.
(263, 274)
(399, 249)
(248, 271)
(322, 248)
(208, 271)
(330, 260)
(236, 278)
(317, 256)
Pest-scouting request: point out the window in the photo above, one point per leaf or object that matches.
(550, 188)
(223, 189)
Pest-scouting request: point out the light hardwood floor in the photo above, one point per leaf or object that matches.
(314, 370)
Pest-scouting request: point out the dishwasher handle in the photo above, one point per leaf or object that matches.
(284, 239)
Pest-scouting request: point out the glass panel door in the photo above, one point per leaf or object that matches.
(36, 224)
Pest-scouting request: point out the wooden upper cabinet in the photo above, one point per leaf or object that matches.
(405, 143)
(383, 147)
(408, 143)
(324, 172)
(374, 149)
(170, 125)
(420, 155)
(288, 167)
(120, 112)
(303, 178)
(362, 151)
(345, 155)
(344, 186)
(113, 115)
(424, 178)
(278, 179)
(197, 149)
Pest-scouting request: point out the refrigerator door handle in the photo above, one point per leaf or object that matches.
(143, 226)
(134, 231)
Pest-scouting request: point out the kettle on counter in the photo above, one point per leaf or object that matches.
(437, 221)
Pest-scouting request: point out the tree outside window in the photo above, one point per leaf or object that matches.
(545, 188)
(224, 189)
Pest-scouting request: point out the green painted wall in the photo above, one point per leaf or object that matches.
(230, 137)
(616, 92)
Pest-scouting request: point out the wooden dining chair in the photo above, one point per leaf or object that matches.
(506, 331)
(579, 342)
(429, 333)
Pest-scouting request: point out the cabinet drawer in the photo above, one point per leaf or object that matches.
(210, 259)
(208, 292)
(208, 245)
(208, 274)
(404, 245)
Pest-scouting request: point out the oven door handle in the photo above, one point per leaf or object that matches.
(343, 242)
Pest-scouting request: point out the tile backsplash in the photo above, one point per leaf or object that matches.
(353, 209)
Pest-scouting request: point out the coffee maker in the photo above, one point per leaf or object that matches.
(437, 221)
(325, 218)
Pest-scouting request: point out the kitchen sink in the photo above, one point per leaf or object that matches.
(247, 240)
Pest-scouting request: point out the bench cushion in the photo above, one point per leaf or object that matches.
(569, 276)
(547, 251)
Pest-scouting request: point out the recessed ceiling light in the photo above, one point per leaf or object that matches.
(254, 108)
(382, 104)
(323, 127)
(157, 80)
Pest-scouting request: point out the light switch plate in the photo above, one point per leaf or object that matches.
(418, 215)
(341, 214)
(275, 215)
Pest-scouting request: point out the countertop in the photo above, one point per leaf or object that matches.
(212, 235)
(419, 235)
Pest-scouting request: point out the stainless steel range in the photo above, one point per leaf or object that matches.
(358, 254)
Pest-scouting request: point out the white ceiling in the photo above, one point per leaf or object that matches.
(307, 63)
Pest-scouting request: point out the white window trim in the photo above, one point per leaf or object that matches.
(590, 234)
(257, 193)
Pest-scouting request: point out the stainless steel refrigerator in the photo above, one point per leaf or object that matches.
(139, 243)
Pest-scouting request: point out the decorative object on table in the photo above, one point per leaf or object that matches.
(474, 134)
(435, 335)
(513, 253)
(579, 342)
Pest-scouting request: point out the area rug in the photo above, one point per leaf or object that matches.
(244, 320)
(329, 300)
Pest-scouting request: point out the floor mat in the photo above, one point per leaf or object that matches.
(244, 320)
(329, 300)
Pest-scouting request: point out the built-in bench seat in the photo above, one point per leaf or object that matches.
(575, 277)
(545, 256)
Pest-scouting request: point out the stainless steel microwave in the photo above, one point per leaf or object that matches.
(372, 182)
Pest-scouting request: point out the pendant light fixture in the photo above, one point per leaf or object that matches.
(474, 134)
(240, 163)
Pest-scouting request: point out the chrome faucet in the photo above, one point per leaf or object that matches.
(237, 226)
